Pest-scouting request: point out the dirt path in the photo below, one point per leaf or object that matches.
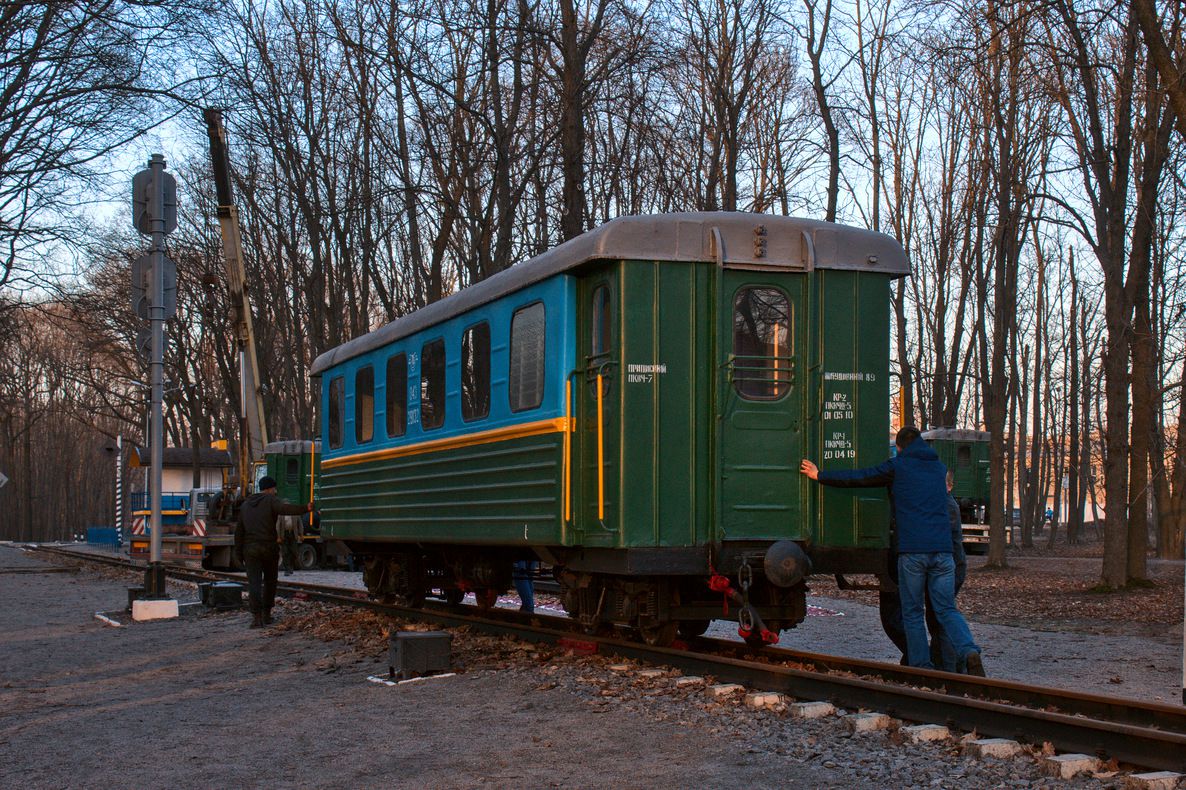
(207, 702)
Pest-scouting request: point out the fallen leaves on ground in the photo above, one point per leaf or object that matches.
(1055, 591)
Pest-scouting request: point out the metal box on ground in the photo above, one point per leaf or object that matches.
(416, 653)
(221, 595)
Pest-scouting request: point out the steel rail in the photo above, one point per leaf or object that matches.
(1145, 734)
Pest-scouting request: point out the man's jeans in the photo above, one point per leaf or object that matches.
(933, 574)
(522, 575)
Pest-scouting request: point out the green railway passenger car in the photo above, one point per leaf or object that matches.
(631, 408)
(965, 453)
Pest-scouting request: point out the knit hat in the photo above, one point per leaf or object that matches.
(266, 482)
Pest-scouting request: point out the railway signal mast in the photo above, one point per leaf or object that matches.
(253, 434)
(154, 296)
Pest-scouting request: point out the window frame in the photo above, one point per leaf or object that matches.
(543, 358)
(336, 411)
(477, 383)
(359, 413)
(779, 388)
(602, 321)
(395, 396)
(426, 385)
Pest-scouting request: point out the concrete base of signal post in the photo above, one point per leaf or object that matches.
(155, 605)
(159, 609)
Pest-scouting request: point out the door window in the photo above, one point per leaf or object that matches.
(761, 343)
(337, 394)
(475, 372)
(364, 404)
(397, 394)
(432, 385)
(600, 323)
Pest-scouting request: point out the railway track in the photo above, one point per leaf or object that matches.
(1141, 733)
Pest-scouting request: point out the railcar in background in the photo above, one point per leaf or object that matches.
(965, 453)
(631, 408)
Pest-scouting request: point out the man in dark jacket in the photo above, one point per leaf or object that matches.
(916, 479)
(257, 546)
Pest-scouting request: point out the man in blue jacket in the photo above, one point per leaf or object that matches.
(917, 484)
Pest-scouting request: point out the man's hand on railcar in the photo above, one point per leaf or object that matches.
(808, 468)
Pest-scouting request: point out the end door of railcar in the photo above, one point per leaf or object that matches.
(759, 404)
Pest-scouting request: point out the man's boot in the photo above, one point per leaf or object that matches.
(267, 616)
(257, 620)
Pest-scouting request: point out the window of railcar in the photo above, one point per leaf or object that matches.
(475, 372)
(397, 394)
(526, 375)
(600, 342)
(364, 405)
(761, 336)
(292, 471)
(432, 384)
(963, 455)
(337, 396)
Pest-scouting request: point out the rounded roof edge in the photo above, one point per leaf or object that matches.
(290, 446)
(752, 241)
(957, 434)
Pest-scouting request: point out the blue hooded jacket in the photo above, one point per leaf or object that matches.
(917, 482)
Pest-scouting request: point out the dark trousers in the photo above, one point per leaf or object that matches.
(288, 551)
(261, 560)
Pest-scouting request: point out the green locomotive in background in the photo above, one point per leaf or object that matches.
(965, 453)
(630, 407)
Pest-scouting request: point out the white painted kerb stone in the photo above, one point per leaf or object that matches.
(154, 610)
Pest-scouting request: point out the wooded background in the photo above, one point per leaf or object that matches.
(1030, 157)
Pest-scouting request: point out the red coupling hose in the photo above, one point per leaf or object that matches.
(769, 637)
(718, 583)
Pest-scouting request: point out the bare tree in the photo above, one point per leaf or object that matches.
(77, 82)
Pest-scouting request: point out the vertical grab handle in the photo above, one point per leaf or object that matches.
(600, 455)
(312, 472)
(568, 450)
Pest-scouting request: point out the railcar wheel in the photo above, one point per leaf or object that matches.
(307, 557)
(659, 635)
(690, 629)
(486, 598)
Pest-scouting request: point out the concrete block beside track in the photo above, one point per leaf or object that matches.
(812, 710)
(1001, 748)
(763, 699)
(1156, 780)
(926, 733)
(724, 690)
(1067, 766)
(867, 722)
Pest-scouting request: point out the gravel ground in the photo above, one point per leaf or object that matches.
(203, 701)
(1118, 659)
